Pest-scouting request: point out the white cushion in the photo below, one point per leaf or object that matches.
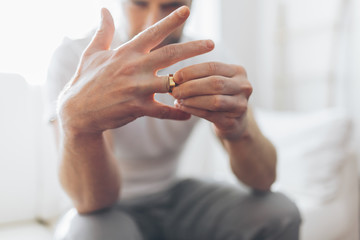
(25, 230)
(28, 172)
(18, 154)
(312, 148)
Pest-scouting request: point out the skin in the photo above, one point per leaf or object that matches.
(114, 87)
(142, 14)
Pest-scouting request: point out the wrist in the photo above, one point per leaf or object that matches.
(232, 135)
(239, 132)
(72, 130)
(73, 125)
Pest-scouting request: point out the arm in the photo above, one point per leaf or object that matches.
(219, 93)
(110, 89)
(92, 180)
(252, 156)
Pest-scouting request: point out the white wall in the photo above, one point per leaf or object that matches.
(355, 82)
(292, 50)
(290, 65)
(248, 30)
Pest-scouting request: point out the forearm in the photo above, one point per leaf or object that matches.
(111, 88)
(252, 157)
(88, 171)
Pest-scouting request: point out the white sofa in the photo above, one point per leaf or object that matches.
(316, 169)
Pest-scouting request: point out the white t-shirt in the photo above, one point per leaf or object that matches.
(147, 149)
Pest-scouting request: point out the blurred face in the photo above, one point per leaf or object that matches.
(141, 14)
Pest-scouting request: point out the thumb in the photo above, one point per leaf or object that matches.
(104, 35)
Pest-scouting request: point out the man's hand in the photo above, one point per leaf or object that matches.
(114, 87)
(217, 92)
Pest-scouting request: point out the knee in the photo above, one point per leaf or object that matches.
(286, 209)
(109, 224)
(282, 213)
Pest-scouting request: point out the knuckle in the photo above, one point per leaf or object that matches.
(241, 70)
(212, 66)
(180, 76)
(247, 89)
(219, 103)
(218, 84)
(154, 31)
(238, 107)
(170, 51)
(243, 106)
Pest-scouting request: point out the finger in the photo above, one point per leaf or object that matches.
(154, 35)
(208, 86)
(104, 35)
(221, 120)
(171, 54)
(206, 69)
(162, 111)
(216, 103)
(208, 115)
(155, 84)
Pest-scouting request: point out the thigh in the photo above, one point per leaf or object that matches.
(213, 212)
(109, 224)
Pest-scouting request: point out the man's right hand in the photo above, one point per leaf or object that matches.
(114, 87)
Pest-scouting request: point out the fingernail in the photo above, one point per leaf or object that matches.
(182, 11)
(210, 44)
(179, 78)
(177, 103)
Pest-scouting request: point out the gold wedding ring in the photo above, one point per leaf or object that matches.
(172, 83)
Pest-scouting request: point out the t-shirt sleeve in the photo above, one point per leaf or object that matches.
(61, 69)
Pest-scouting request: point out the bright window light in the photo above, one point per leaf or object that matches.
(31, 30)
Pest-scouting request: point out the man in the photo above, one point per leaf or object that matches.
(119, 142)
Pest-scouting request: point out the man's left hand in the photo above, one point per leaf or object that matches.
(217, 92)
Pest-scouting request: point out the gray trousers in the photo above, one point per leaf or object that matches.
(191, 210)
